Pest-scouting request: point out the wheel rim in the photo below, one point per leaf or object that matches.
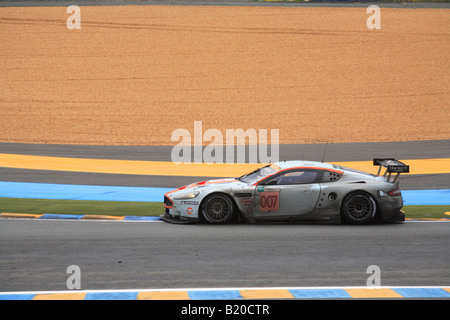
(359, 207)
(217, 209)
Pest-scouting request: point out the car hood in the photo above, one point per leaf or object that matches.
(218, 184)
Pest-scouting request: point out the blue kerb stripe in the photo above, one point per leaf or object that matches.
(214, 294)
(141, 218)
(17, 296)
(319, 293)
(60, 216)
(422, 292)
(111, 296)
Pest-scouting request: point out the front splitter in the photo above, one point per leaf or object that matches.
(176, 220)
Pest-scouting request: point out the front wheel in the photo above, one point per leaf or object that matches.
(217, 208)
(358, 208)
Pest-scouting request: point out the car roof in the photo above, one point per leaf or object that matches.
(306, 164)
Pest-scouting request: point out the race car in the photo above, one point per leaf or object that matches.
(293, 191)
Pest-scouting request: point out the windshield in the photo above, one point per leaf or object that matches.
(257, 174)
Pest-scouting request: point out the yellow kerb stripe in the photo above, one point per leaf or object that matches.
(163, 295)
(156, 168)
(20, 215)
(167, 168)
(266, 294)
(60, 296)
(101, 217)
(373, 293)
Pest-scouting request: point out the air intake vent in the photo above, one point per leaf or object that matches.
(329, 176)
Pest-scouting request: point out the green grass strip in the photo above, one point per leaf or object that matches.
(129, 208)
(435, 212)
(81, 207)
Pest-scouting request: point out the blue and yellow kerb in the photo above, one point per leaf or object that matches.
(238, 294)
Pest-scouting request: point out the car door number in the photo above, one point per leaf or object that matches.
(269, 201)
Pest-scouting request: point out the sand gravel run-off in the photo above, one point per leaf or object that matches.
(134, 74)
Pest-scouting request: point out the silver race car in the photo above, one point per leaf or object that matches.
(293, 191)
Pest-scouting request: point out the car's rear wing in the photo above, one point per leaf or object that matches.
(392, 166)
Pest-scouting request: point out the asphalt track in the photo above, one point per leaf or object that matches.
(124, 255)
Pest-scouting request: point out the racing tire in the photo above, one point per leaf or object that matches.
(358, 208)
(217, 209)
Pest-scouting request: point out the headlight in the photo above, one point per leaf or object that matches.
(188, 195)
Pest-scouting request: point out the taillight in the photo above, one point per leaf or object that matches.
(395, 192)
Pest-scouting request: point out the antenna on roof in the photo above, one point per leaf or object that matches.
(324, 151)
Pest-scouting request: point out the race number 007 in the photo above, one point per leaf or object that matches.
(269, 201)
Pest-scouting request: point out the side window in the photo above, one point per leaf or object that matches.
(297, 177)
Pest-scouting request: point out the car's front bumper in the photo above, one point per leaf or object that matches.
(177, 219)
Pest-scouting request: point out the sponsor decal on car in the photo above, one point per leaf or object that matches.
(247, 201)
(269, 201)
(194, 203)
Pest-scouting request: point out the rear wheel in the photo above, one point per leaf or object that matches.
(217, 208)
(358, 208)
